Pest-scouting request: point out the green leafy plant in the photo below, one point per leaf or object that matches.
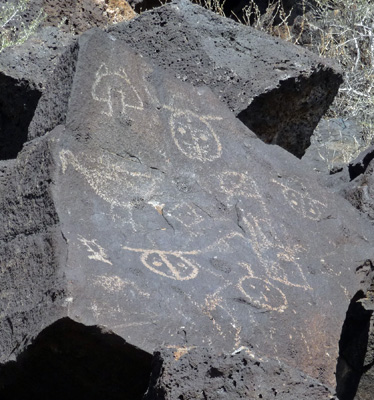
(13, 30)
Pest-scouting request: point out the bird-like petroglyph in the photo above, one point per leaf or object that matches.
(117, 182)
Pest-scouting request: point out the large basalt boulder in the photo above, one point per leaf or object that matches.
(24, 72)
(278, 90)
(203, 374)
(172, 224)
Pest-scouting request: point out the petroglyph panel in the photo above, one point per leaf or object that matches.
(115, 91)
(170, 264)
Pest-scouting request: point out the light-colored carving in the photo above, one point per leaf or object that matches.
(216, 301)
(110, 87)
(112, 180)
(187, 214)
(301, 201)
(97, 252)
(170, 264)
(194, 135)
(261, 292)
(116, 284)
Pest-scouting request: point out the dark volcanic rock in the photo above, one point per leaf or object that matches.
(360, 191)
(278, 90)
(183, 228)
(360, 164)
(24, 71)
(68, 360)
(31, 249)
(333, 143)
(202, 374)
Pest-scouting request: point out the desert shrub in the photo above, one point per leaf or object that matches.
(344, 31)
(13, 30)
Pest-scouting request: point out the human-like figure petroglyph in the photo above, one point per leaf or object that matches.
(170, 264)
(97, 252)
(117, 182)
(302, 202)
(110, 87)
(193, 134)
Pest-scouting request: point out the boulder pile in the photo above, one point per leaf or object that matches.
(143, 207)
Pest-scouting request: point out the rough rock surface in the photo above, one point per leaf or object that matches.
(333, 143)
(183, 228)
(155, 212)
(77, 16)
(202, 374)
(68, 360)
(24, 72)
(360, 190)
(31, 248)
(278, 90)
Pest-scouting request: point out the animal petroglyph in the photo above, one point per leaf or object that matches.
(170, 264)
(112, 180)
(194, 135)
(115, 89)
(302, 202)
(97, 252)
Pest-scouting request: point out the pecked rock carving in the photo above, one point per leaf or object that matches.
(142, 204)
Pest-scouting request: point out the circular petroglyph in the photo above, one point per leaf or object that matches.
(194, 136)
(262, 294)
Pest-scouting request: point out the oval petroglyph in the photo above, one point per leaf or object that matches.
(170, 264)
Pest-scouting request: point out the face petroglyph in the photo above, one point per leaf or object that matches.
(194, 135)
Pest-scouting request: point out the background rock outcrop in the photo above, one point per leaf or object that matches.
(277, 90)
(142, 202)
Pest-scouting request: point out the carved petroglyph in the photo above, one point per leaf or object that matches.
(216, 307)
(115, 87)
(113, 180)
(284, 267)
(116, 284)
(187, 214)
(170, 264)
(97, 252)
(301, 201)
(261, 292)
(194, 135)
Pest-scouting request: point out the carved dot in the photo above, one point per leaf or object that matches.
(157, 263)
